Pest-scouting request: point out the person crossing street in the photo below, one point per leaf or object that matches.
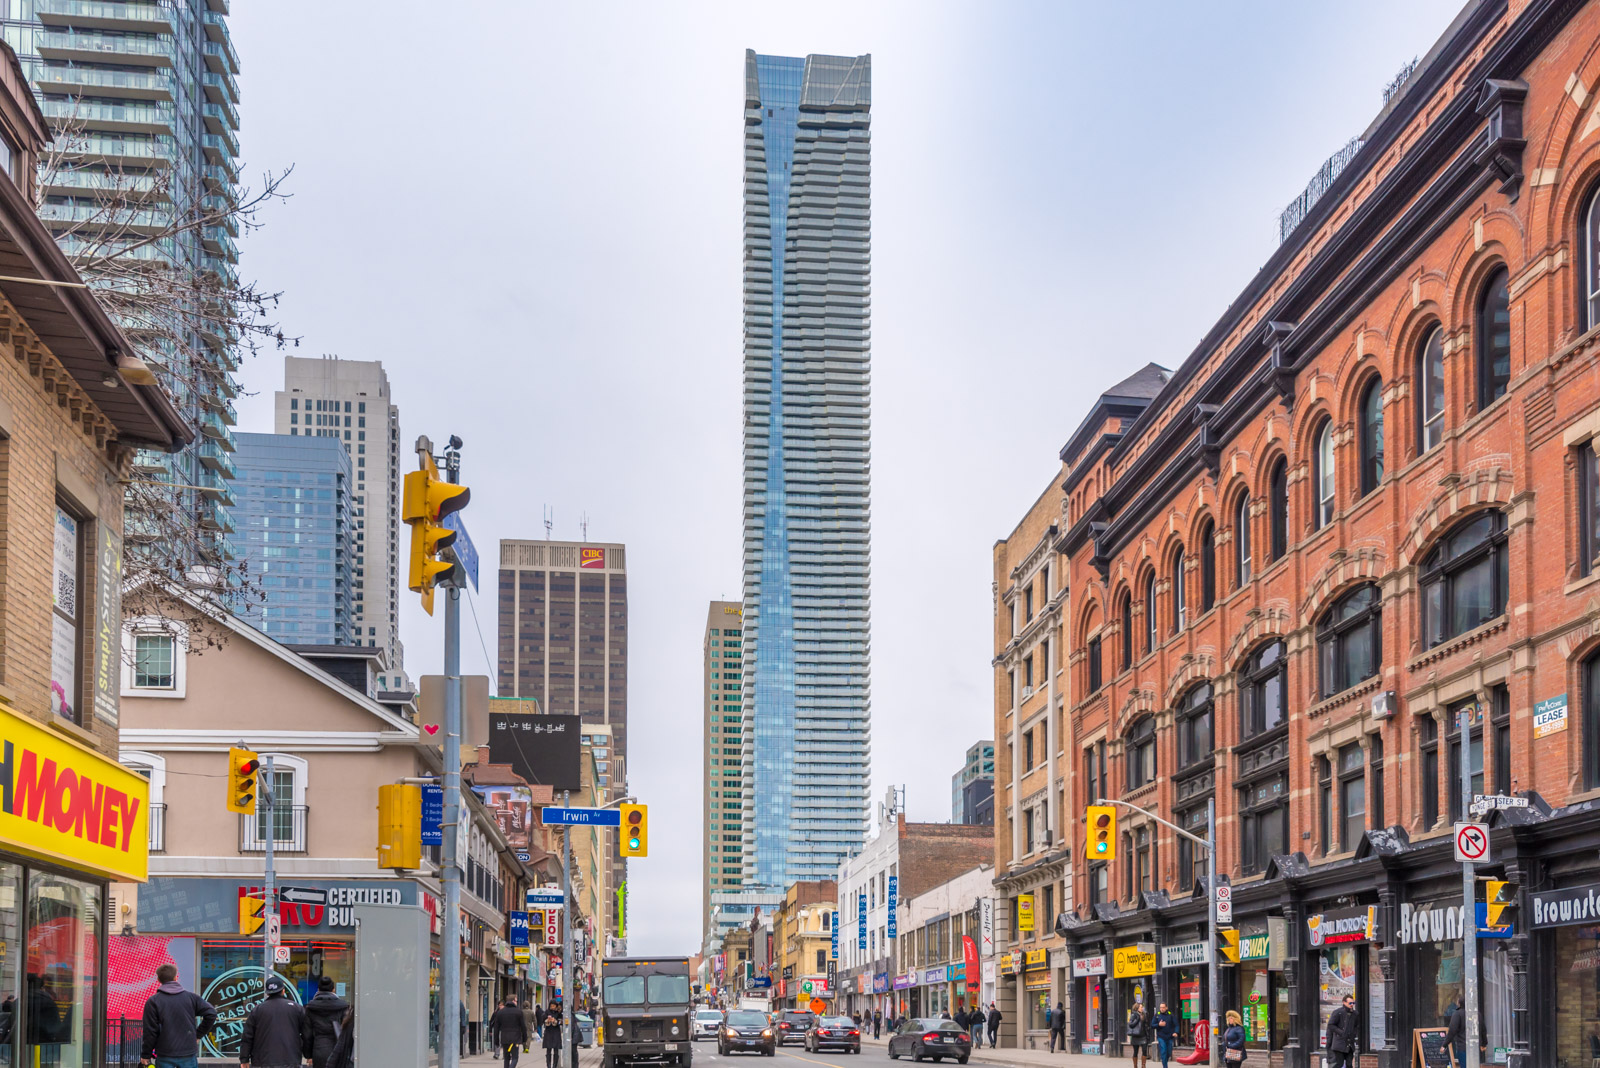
(508, 1029)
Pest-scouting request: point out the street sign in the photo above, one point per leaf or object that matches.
(1224, 904)
(280, 954)
(274, 928)
(518, 927)
(462, 549)
(300, 895)
(582, 817)
(1472, 843)
(544, 897)
(1483, 803)
(433, 815)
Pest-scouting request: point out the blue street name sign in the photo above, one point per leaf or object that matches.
(465, 552)
(585, 817)
(544, 896)
(433, 815)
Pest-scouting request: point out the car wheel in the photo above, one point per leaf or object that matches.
(962, 1060)
(916, 1054)
(893, 1056)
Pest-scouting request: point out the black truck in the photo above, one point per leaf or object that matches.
(646, 1010)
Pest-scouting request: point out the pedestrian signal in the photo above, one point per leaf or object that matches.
(1228, 943)
(242, 767)
(252, 914)
(635, 831)
(1500, 896)
(426, 501)
(1102, 820)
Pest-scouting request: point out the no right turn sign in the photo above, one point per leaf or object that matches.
(1472, 843)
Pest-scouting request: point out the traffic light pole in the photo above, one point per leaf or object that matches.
(265, 795)
(569, 990)
(1469, 902)
(450, 1022)
(1208, 844)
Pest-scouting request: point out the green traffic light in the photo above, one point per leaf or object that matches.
(633, 843)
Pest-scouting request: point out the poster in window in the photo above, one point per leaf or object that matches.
(64, 629)
(1337, 968)
(107, 624)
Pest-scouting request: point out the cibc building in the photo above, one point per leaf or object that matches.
(1365, 504)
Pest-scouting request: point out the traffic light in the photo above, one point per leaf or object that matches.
(252, 914)
(399, 826)
(242, 766)
(1500, 896)
(426, 501)
(1228, 944)
(1102, 820)
(635, 831)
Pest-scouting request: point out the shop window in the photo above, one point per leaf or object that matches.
(1324, 804)
(1375, 764)
(1191, 858)
(1430, 394)
(1278, 496)
(1500, 723)
(1150, 613)
(1094, 664)
(1241, 541)
(63, 968)
(1264, 820)
(1494, 339)
(1474, 753)
(1208, 567)
(1323, 478)
(1350, 640)
(1352, 797)
(1428, 740)
(1180, 604)
(1142, 753)
(1589, 253)
(230, 974)
(1127, 631)
(1194, 715)
(1370, 435)
(1262, 690)
(1587, 475)
(1464, 578)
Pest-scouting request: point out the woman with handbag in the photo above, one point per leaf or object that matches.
(1233, 1039)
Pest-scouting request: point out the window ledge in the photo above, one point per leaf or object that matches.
(1456, 644)
(73, 731)
(1588, 580)
(1359, 690)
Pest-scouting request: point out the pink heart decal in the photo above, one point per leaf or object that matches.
(430, 728)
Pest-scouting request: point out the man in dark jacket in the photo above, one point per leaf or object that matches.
(276, 1034)
(508, 1029)
(171, 1036)
(1455, 1033)
(1166, 1024)
(325, 1016)
(994, 1025)
(1343, 1027)
(1058, 1027)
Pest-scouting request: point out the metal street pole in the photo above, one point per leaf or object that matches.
(268, 907)
(569, 992)
(450, 1022)
(1211, 920)
(1469, 895)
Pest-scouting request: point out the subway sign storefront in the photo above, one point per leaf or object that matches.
(63, 802)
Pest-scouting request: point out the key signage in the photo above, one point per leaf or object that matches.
(1224, 903)
(1472, 843)
(861, 921)
(1483, 803)
(433, 815)
(300, 895)
(581, 817)
(545, 897)
(894, 894)
(518, 927)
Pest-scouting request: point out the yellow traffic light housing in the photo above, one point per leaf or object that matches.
(1500, 895)
(1228, 943)
(242, 767)
(424, 504)
(399, 826)
(635, 831)
(252, 914)
(1102, 820)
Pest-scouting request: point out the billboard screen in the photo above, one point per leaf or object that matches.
(542, 749)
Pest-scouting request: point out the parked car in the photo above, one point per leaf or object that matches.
(833, 1032)
(793, 1025)
(747, 1029)
(707, 1022)
(585, 1030)
(921, 1039)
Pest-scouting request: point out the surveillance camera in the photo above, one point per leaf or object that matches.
(455, 442)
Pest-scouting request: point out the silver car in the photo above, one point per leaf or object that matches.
(706, 1022)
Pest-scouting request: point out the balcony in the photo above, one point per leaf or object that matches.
(219, 150)
(81, 81)
(124, 152)
(99, 217)
(105, 15)
(220, 87)
(220, 117)
(218, 243)
(222, 209)
(152, 117)
(215, 457)
(222, 406)
(289, 830)
(158, 828)
(212, 426)
(135, 188)
(220, 494)
(66, 46)
(214, 517)
(220, 57)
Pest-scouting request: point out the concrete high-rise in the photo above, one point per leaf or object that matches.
(349, 401)
(143, 101)
(807, 342)
(722, 867)
(295, 524)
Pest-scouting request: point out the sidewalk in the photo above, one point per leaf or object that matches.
(534, 1058)
(1015, 1058)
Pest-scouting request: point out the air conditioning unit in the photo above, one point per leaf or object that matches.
(1383, 704)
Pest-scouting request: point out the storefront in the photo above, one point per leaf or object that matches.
(1184, 970)
(73, 823)
(1036, 989)
(1341, 960)
(1566, 927)
(1133, 967)
(902, 997)
(1430, 933)
(1089, 1001)
(935, 992)
(1262, 995)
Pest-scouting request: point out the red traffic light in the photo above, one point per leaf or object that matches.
(634, 816)
(249, 767)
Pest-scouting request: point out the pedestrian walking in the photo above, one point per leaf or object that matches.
(975, 1025)
(344, 1050)
(276, 1034)
(877, 1022)
(1455, 1033)
(508, 1030)
(325, 1016)
(961, 1017)
(1166, 1022)
(994, 1025)
(171, 1034)
(1233, 1051)
(552, 1037)
(1139, 1036)
(1343, 1027)
(1058, 1027)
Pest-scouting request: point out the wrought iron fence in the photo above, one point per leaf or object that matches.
(123, 1039)
(1320, 183)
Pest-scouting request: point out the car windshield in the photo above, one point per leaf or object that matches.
(624, 990)
(747, 1019)
(669, 989)
(704, 1014)
(838, 1021)
(797, 1017)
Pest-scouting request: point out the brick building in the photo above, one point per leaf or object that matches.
(802, 934)
(1367, 503)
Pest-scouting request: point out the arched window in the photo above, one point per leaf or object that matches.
(1589, 250)
(1494, 339)
(1180, 601)
(1194, 725)
(1127, 630)
(1142, 753)
(1323, 476)
(1371, 437)
(1591, 722)
(1241, 540)
(1464, 578)
(1350, 640)
(1263, 690)
(1208, 567)
(1430, 391)
(1278, 495)
(1150, 613)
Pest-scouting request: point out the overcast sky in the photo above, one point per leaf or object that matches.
(531, 212)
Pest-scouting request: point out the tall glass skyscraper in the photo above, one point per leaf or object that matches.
(807, 560)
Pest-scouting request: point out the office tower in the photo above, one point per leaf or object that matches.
(806, 444)
(564, 638)
(722, 868)
(294, 514)
(142, 100)
(349, 401)
(972, 788)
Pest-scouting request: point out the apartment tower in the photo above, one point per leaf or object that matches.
(722, 868)
(349, 401)
(806, 472)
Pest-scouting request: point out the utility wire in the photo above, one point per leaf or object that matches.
(472, 606)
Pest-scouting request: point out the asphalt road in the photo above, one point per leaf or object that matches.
(705, 1053)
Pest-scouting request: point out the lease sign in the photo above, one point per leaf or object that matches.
(65, 802)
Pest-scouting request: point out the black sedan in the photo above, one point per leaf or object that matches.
(747, 1029)
(793, 1025)
(833, 1032)
(924, 1039)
